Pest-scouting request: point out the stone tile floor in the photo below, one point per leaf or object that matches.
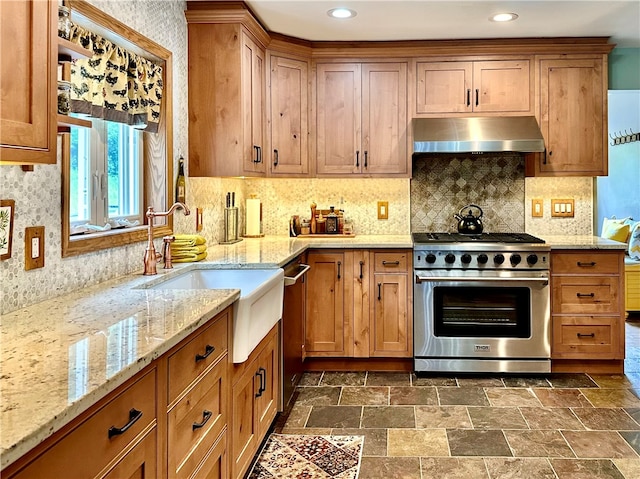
(561, 426)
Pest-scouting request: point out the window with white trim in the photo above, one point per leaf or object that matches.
(106, 177)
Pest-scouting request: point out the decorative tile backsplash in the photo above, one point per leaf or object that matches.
(441, 185)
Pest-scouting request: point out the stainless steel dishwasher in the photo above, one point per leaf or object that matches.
(292, 328)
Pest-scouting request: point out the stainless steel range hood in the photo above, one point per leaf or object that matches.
(477, 134)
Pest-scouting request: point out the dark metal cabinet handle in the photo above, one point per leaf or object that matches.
(366, 153)
(275, 157)
(468, 96)
(585, 295)
(361, 269)
(134, 415)
(261, 387)
(393, 263)
(256, 149)
(544, 158)
(379, 291)
(259, 154)
(477, 97)
(358, 158)
(207, 351)
(592, 335)
(339, 264)
(586, 265)
(206, 415)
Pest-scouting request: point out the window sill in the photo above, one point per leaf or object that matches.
(90, 243)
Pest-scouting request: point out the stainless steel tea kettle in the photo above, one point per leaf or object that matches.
(469, 224)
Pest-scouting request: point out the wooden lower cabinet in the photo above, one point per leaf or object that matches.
(359, 304)
(254, 401)
(172, 416)
(587, 307)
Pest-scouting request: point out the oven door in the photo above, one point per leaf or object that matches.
(482, 314)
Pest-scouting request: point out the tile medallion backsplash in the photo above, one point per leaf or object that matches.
(441, 185)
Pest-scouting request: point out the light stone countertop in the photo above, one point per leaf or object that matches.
(60, 356)
(558, 242)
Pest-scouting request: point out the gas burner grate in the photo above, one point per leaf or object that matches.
(426, 238)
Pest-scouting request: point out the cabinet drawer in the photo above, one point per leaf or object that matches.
(585, 337)
(389, 262)
(88, 448)
(186, 364)
(204, 403)
(586, 262)
(586, 294)
(215, 465)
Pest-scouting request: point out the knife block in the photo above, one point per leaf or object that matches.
(230, 226)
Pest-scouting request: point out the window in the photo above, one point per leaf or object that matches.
(105, 176)
(127, 169)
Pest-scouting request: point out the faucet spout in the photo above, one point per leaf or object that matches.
(150, 255)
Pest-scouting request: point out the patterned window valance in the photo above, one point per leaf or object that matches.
(115, 84)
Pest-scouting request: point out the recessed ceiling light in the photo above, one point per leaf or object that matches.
(341, 13)
(503, 17)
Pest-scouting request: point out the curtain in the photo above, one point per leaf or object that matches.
(115, 84)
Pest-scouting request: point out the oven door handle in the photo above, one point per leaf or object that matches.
(426, 279)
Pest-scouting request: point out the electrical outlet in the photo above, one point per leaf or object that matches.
(563, 208)
(198, 219)
(383, 210)
(33, 247)
(537, 210)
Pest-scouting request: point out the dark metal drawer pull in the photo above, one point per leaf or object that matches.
(275, 157)
(361, 268)
(393, 263)
(207, 351)
(585, 295)
(134, 415)
(379, 291)
(592, 335)
(586, 265)
(339, 264)
(206, 415)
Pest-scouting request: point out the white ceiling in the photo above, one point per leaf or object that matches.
(452, 19)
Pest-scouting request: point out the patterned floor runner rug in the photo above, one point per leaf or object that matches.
(317, 457)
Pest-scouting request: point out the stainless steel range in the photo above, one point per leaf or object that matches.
(481, 303)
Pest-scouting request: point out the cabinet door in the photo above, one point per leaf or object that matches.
(501, 86)
(27, 81)
(338, 91)
(268, 369)
(139, 463)
(443, 87)
(572, 109)
(384, 118)
(253, 78)
(327, 310)
(244, 433)
(390, 319)
(289, 153)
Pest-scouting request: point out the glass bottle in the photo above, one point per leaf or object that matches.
(332, 221)
(181, 191)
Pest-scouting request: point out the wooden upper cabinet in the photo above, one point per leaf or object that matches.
(361, 118)
(226, 100)
(28, 81)
(288, 116)
(493, 86)
(573, 116)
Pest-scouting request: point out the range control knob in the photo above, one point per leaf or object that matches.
(483, 258)
(450, 258)
(431, 258)
(532, 259)
(466, 258)
(515, 259)
(498, 259)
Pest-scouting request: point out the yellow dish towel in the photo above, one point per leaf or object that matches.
(178, 250)
(189, 240)
(190, 258)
